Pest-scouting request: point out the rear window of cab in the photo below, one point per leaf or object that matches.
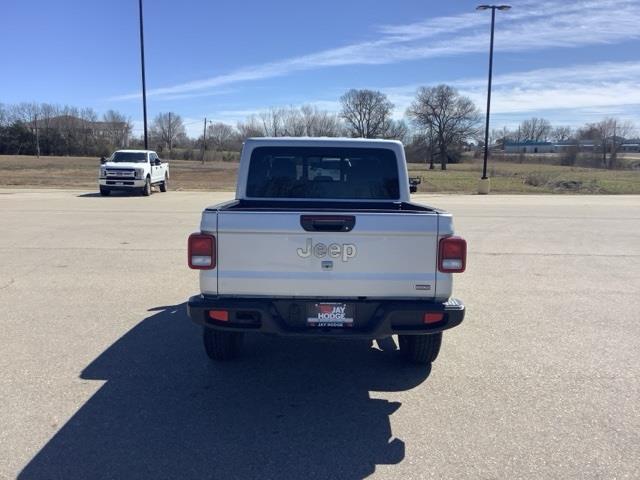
(323, 173)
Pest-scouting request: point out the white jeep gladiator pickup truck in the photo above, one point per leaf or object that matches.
(133, 170)
(323, 240)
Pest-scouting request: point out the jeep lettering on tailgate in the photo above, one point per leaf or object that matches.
(334, 250)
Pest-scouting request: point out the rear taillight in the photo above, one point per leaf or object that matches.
(219, 315)
(202, 251)
(432, 317)
(452, 255)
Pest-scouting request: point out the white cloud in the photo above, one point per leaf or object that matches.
(240, 115)
(573, 94)
(529, 26)
(572, 86)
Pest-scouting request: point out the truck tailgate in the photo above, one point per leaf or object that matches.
(271, 254)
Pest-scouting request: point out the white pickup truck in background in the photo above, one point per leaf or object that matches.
(133, 170)
(323, 240)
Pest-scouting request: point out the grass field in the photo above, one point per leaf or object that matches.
(78, 172)
(81, 172)
(527, 178)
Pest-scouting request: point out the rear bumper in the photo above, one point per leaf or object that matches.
(372, 319)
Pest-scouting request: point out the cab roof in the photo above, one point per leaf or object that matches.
(344, 141)
(136, 151)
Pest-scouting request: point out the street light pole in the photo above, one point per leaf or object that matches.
(144, 83)
(484, 186)
(486, 125)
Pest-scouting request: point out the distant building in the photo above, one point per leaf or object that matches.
(631, 145)
(528, 146)
(581, 145)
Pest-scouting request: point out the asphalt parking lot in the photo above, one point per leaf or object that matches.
(104, 376)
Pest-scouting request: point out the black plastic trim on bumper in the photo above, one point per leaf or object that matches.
(120, 187)
(383, 318)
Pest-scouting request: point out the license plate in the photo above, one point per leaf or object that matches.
(330, 315)
(119, 184)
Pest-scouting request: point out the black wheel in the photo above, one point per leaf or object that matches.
(422, 349)
(164, 185)
(146, 190)
(222, 345)
(104, 191)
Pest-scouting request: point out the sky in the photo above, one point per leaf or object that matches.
(571, 62)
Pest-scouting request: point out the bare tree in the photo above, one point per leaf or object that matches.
(319, 123)
(418, 148)
(610, 133)
(310, 118)
(451, 117)
(588, 132)
(535, 129)
(69, 126)
(272, 122)
(25, 112)
(221, 135)
(293, 123)
(621, 131)
(432, 146)
(500, 136)
(65, 130)
(117, 128)
(561, 133)
(397, 130)
(167, 129)
(4, 115)
(48, 114)
(249, 128)
(367, 113)
(327, 125)
(88, 117)
(28, 114)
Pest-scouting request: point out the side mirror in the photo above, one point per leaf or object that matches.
(102, 160)
(157, 162)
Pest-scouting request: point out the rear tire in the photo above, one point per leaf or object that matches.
(105, 192)
(221, 345)
(146, 190)
(164, 186)
(420, 349)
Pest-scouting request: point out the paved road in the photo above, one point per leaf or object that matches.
(103, 376)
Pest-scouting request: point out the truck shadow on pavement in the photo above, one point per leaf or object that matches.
(112, 194)
(289, 408)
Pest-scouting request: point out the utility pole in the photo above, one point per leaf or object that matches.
(144, 83)
(484, 185)
(204, 139)
(37, 135)
(613, 156)
(170, 131)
